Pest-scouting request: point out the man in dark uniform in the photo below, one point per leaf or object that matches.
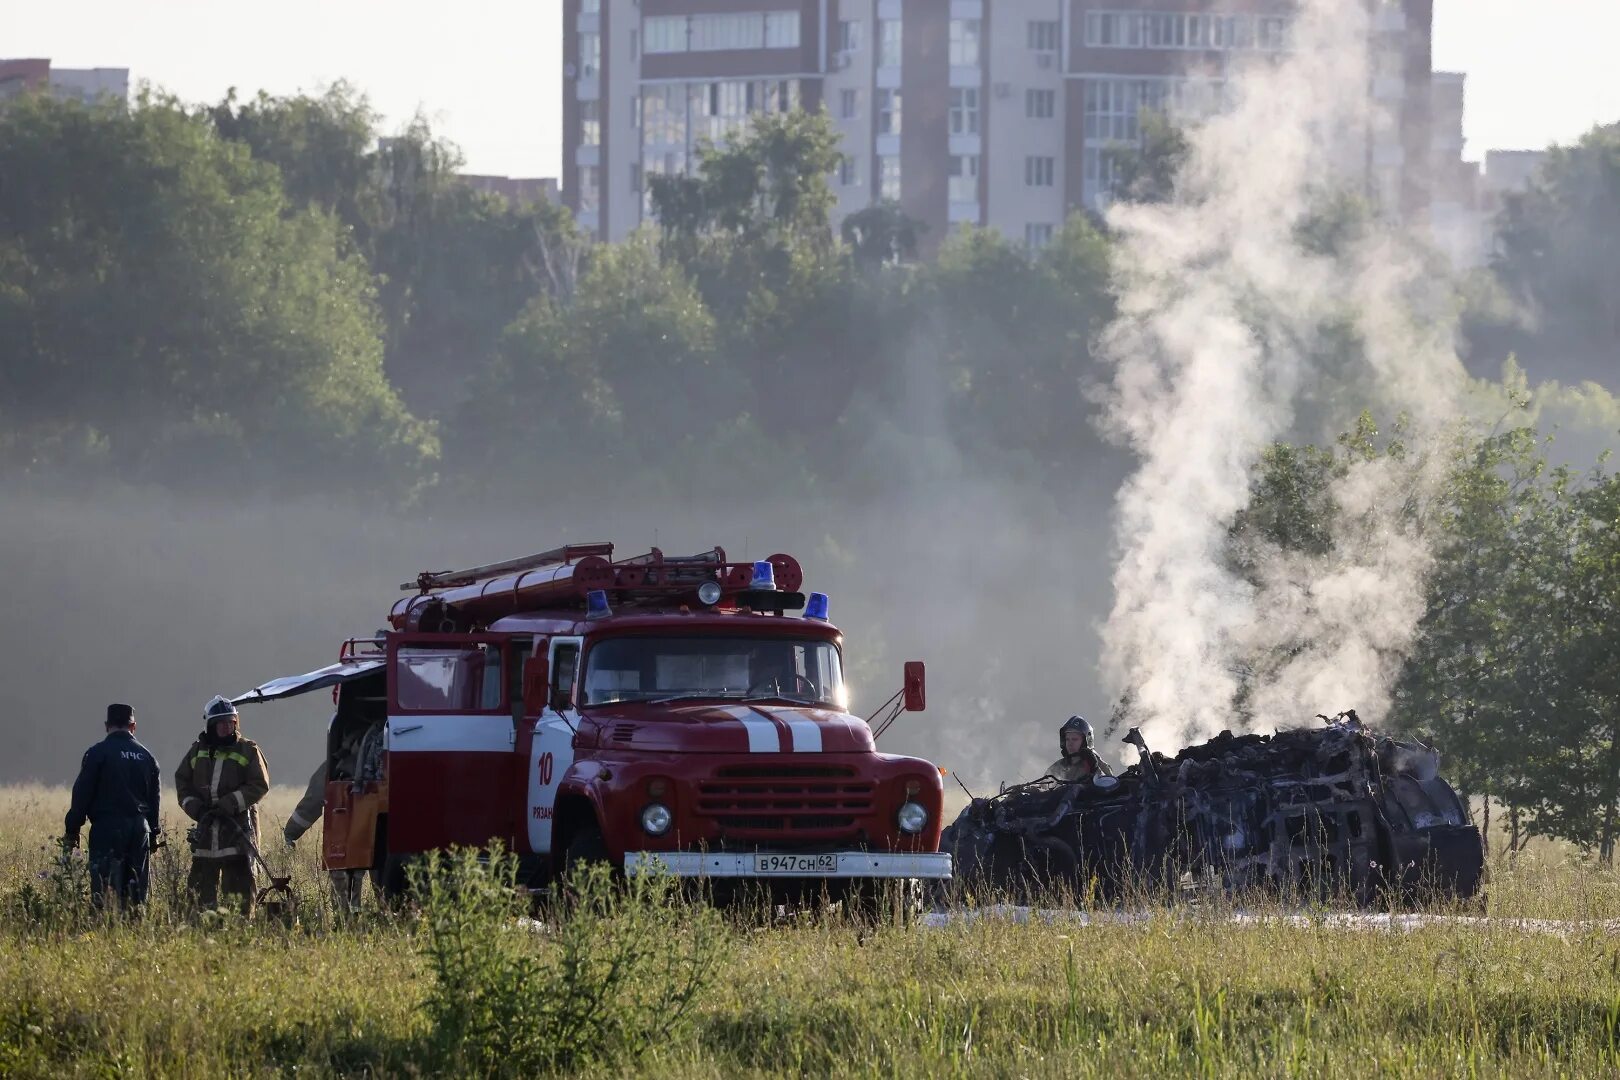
(220, 782)
(1079, 760)
(117, 790)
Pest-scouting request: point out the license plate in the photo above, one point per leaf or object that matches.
(823, 863)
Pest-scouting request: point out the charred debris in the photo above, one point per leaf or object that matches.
(1332, 811)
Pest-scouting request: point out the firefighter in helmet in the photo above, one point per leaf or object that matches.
(1079, 760)
(220, 782)
(117, 791)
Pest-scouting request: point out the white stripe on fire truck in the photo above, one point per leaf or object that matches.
(806, 734)
(763, 738)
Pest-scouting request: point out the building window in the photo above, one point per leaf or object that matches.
(888, 112)
(1037, 236)
(635, 177)
(663, 115)
(889, 42)
(1040, 104)
(664, 33)
(964, 43)
(781, 29)
(849, 171)
(590, 7)
(1273, 32)
(1166, 30)
(889, 178)
(849, 35)
(849, 104)
(1043, 36)
(717, 33)
(964, 110)
(590, 123)
(1113, 107)
(590, 189)
(590, 53)
(1039, 171)
(964, 178)
(720, 33)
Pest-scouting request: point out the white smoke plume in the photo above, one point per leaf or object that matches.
(1217, 351)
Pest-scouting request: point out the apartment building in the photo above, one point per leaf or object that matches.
(1002, 113)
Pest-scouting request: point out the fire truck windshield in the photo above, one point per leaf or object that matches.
(664, 668)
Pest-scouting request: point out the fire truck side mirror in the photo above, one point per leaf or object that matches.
(916, 686)
(536, 684)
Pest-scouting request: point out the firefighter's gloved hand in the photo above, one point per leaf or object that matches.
(69, 842)
(154, 841)
(290, 840)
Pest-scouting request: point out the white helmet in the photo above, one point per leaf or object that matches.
(218, 708)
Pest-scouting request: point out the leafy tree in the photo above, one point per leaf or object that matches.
(1147, 172)
(769, 179)
(1558, 261)
(168, 315)
(882, 234)
(628, 370)
(1013, 338)
(453, 266)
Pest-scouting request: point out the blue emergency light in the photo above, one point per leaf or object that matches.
(764, 576)
(596, 604)
(816, 606)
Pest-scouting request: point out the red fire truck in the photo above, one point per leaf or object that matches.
(688, 712)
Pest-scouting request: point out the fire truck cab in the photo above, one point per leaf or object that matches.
(681, 713)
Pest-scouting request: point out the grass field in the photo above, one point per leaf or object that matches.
(1178, 992)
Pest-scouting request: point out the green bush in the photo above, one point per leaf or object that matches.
(616, 968)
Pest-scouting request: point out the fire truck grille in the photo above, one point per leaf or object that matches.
(787, 799)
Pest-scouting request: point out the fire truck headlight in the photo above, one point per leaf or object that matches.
(709, 593)
(912, 818)
(656, 819)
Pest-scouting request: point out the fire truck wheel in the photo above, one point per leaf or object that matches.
(585, 847)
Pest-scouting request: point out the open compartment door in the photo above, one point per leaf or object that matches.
(288, 686)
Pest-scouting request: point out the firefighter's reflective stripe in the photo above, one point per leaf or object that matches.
(462, 733)
(220, 755)
(763, 738)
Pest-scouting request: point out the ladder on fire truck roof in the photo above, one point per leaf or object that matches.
(444, 579)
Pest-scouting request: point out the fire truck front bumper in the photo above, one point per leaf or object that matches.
(772, 864)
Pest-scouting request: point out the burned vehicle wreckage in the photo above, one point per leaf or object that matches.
(1335, 810)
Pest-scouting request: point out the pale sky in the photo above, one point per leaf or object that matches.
(487, 72)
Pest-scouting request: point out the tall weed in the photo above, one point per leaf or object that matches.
(616, 968)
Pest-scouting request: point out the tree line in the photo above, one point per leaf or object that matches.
(266, 293)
